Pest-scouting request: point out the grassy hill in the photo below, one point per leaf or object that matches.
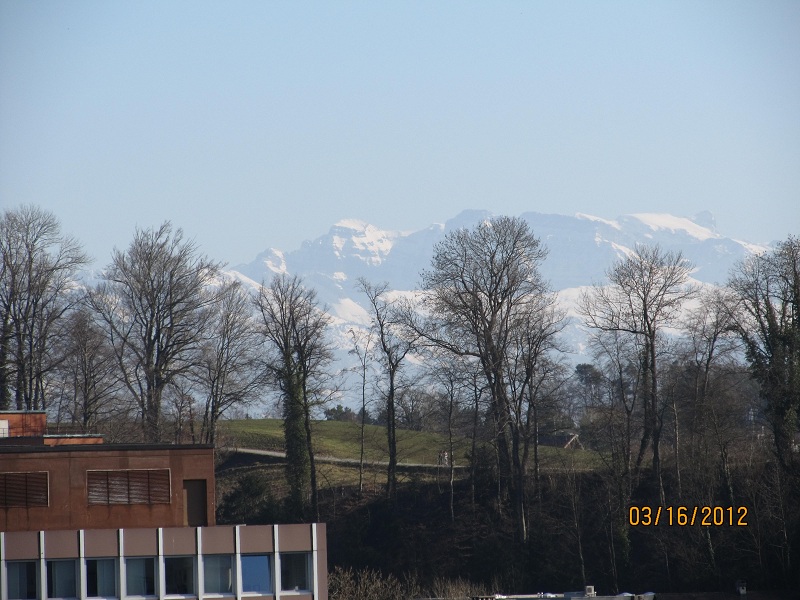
(338, 440)
(342, 440)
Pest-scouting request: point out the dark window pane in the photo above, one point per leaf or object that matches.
(217, 578)
(21, 580)
(61, 580)
(101, 578)
(294, 572)
(179, 574)
(140, 576)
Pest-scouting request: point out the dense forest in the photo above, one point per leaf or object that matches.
(687, 413)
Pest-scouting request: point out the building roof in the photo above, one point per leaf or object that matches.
(17, 445)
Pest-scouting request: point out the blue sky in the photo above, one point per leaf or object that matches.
(257, 124)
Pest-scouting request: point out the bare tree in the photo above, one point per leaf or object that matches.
(229, 372)
(392, 347)
(298, 354)
(710, 356)
(179, 411)
(767, 317)
(37, 277)
(362, 346)
(154, 302)
(646, 293)
(612, 392)
(88, 385)
(615, 409)
(482, 291)
(451, 376)
(535, 375)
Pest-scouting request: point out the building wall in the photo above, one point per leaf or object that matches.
(32, 424)
(68, 506)
(23, 423)
(72, 440)
(203, 548)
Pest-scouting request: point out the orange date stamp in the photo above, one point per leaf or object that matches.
(687, 516)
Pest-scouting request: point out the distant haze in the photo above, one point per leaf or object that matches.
(258, 124)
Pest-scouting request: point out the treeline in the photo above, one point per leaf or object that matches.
(159, 338)
(691, 400)
(689, 388)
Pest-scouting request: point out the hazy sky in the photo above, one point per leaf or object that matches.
(257, 124)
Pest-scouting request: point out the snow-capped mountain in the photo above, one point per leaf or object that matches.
(581, 249)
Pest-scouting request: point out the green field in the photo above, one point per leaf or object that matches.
(342, 440)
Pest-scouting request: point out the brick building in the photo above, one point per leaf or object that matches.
(81, 520)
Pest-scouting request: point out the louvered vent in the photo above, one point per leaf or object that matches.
(132, 486)
(24, 489)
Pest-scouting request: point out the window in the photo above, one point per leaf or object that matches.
(21, 580)
(295, 570)
(101, 577)
(179, 575)
(140, 576)
(133, 486)
(256, 574)
(218, 574)
(61, 579)
(23, 489)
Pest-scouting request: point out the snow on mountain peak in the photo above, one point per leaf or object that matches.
(663, 221)
(355, 224)
(275, 261)
(370, 243)
(581, 249)
(586, 217)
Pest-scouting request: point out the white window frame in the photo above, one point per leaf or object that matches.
(271, 570)
(37, 579)
(156, 566)
(234, 575)
(195, 575)
(117, 583)
(309, 574)
(76, 564)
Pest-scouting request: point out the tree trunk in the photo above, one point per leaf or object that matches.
(361, 442)
(312, 464)
(391, 438)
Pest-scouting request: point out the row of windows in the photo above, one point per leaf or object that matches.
(128, 486)
(220, 576)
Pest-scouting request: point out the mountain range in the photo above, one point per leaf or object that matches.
(581, 249)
